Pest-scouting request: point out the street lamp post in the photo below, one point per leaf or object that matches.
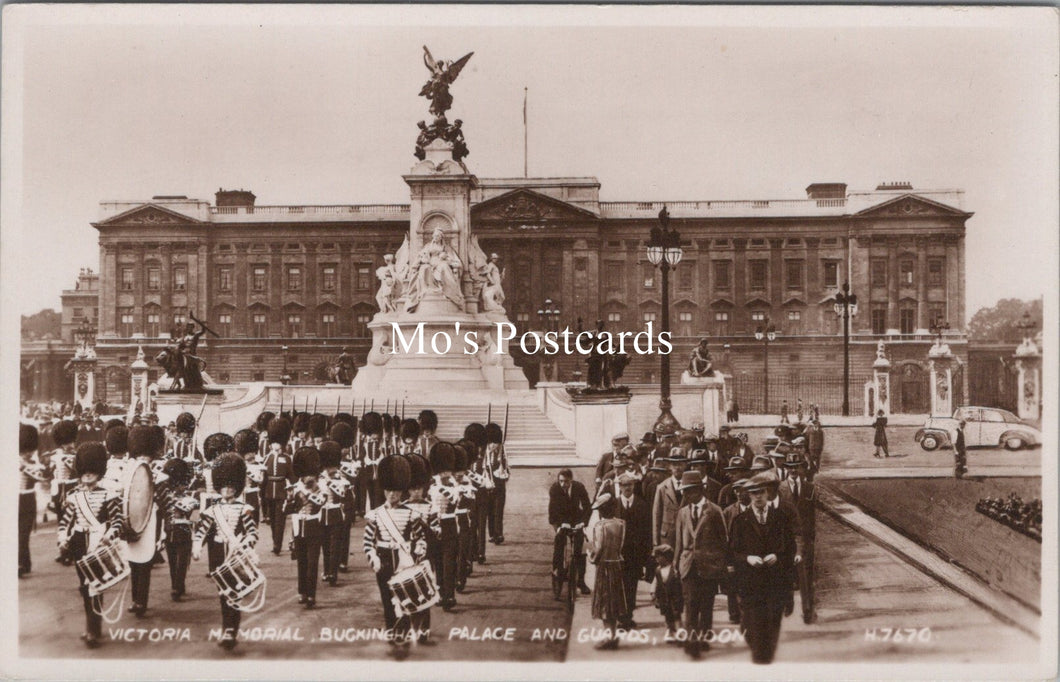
(285, 378)
(664, 252)
(846, 306)
(766, 333)
(548, 315)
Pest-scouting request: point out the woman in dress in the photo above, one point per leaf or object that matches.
(609, 594)
(880, 437)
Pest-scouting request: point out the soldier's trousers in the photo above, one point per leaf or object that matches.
(307, 554)
(496, 517)
(230, 618)
(93, 605)
(399, 625)
(331, 547)
(140, 582)
(178, 555)
(465, 546)
(27, 514)
(483, 507)
(343, 553)
(278, 522)
(445, 565)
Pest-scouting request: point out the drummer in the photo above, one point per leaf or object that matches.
(226, 526)
(419, 480)
(90, 516)
(214, 446)
(382, 547)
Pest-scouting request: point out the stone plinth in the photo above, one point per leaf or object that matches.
(84, 372)
(881, 381)
(1029, 364)
(169, 404)
(596, 422)
(138, 383)
(713, 398)
(941, 362)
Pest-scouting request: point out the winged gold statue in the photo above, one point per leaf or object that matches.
(443, 73)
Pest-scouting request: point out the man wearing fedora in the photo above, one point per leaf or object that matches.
(799, 494)
(622, 463)
(606, 462)
(701, 463)
(737, 469)
(763, 552)
(668, 500)
(701, 552)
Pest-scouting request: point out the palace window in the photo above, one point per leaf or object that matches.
(759, 272)
(878, 272)
(649, 275)
(722, 274)
(260, 278)
(364, 277)
(180, 278)
(794, 322)
(686, 276)
(224, 278)
(684, 323)
(78, 313)
(649, 317)
(614, 318)
(794, 271)
(294, 325)
(907, 319)
(260, 325)
(758, 316)
(224, 321)
(906, 267)
(613, 276)
(125, 321)
(831, 274)
(153, 324)
(936, 312)
(327, 324)
(936, 268)
(294, 278)
(127, 278)
(154, 278)
(878, 318)
(180, 318)
(327, 278)
(362, 325)
(721, 322)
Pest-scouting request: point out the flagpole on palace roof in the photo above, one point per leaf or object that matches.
(525, 92)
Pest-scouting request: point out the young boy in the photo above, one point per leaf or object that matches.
(304, 502)
(90, 515)
(666, 595)
(225, 526)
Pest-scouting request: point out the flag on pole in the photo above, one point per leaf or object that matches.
(525, 91)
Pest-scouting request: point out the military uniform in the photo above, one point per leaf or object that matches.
(305, 501)
(278, 474)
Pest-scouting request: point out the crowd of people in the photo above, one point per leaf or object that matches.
(695, 515)
(428, 506)
(1019, 515)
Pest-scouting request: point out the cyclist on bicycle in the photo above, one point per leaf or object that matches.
(568, 508)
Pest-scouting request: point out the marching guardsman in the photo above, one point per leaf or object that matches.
(343, 434)
(30, 473)
(333, 515)
(116, 439)
(372, 451)
(393, 537)
(419, 479)
(90, 515)
(64, 435)
(177, 507)
(278, 474)
(482, 478)
(305, 500)
(245, 444)
(388, 433)
(300, 431)
(215, 445)
(444, 496)
(496, 462)
(261, 426)
(464, 503)
(428, 426)
(184, 445)
(318, 429)
(146, 444)
(224, 527)
(408, 437)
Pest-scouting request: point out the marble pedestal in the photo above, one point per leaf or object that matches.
(713, 399)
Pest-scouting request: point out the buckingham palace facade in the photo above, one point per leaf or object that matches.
(288, 287)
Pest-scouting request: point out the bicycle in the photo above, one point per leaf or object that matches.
(570, 563)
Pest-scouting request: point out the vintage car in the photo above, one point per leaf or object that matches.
(984, 427)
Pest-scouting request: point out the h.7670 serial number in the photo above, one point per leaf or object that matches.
(899, 635)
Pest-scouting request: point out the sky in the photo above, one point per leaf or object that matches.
(319, 106)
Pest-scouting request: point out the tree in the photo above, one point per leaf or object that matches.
(45, 324)
(999, 324)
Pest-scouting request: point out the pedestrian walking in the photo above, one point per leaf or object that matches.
(879, 439)
(784, 419)
(609, 591)
(960, 453)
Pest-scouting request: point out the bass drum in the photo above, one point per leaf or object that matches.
(138, 498)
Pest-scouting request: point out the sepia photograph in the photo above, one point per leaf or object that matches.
(529, 342)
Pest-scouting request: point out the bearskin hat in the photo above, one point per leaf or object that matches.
(476, 433)
(343, 434)
(494, 433)
(460, 458)
(111, 423)
(428, 420)
(141, 442)
(388, 424)
(371, 423)
(244, 442)
(442, 457)
(261, 424)
(185, 422)
(117, 440)
(395, 472)
(64, 432)
(230, 470)
(178, 471)
(217, 444)
(300, 423)
(28, 438)
(279, 430)
(410, 430)
(470, 449)
(306, 462)
(345, 417)
(420, 471)
(91, 458)
(318, 425)
(330, 454)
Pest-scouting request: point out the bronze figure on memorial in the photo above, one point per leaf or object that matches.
(180, 362)
(443, 73)
(701, 364)
(604, 369)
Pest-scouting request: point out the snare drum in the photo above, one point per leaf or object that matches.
(104, 567)
(414, 589)
(237, 578)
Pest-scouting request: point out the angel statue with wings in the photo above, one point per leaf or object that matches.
(443, 73)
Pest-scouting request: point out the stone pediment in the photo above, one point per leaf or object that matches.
(149, 214)
(911, 205)
(525, 206)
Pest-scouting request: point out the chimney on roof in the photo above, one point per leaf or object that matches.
(892, 186)
(827, 190)
(234, 197)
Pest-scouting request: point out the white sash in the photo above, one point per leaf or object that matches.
(96, 527)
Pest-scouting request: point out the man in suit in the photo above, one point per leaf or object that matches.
(763, 552)
(799, 495)
(738, 469)
(728, 514)
(700, 462)
(622, 463)
(606, 463)
(668, 500)
(568, 507)
(636, 544)
(701, 553)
